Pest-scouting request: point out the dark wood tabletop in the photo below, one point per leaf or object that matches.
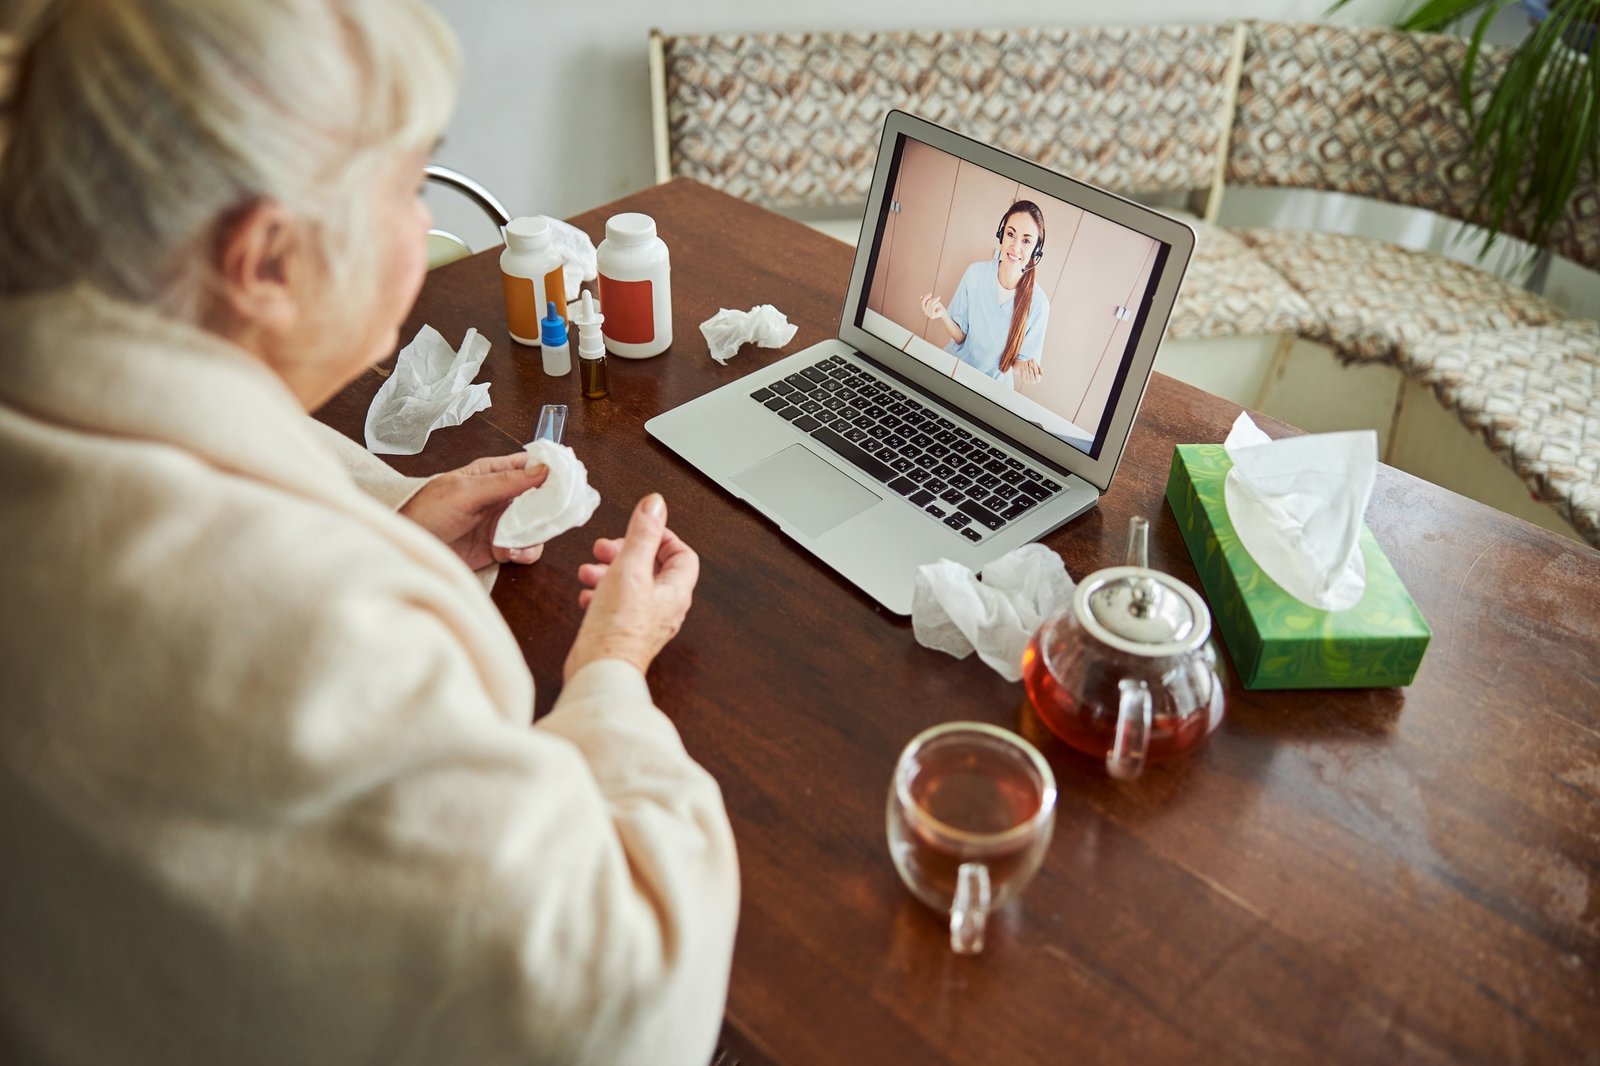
(1338, 876)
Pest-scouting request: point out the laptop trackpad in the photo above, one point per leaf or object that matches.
(804, 491)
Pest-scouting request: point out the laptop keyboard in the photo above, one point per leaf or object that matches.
(950, 473)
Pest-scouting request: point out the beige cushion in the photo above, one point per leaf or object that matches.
(1371, 298)
(1229, 290)
(1532, 394)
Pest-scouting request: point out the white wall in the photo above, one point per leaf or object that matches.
(555, 106)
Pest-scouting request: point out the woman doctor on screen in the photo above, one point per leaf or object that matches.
(995, 320)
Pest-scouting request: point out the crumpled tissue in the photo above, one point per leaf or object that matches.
(578, 258)
(431, 388)
(727, 331)
(957, 612)
(565, 500)
(1297, 504)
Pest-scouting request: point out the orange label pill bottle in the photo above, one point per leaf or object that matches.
(530, 275)
(635, 287)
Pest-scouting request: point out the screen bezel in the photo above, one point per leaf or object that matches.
(1149, 326)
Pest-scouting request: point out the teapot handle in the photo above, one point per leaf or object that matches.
(1125, 760)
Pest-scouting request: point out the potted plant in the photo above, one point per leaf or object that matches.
(1538, 132)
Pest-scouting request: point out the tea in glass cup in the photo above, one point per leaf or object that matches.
(971, 810)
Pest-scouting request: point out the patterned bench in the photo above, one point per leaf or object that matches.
(1173, 115)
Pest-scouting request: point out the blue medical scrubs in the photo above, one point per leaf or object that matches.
(977, 310)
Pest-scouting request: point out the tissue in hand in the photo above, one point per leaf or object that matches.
(431, 388)
(565, 500)
(1297, 504)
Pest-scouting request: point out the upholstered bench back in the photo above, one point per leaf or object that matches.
(791, 120)
(1376, 113)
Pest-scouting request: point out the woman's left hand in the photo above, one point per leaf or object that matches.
(1028, 372)
(462, 507)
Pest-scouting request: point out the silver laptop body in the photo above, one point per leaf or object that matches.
(810, 441)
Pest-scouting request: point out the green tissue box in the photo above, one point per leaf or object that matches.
(1277, 641)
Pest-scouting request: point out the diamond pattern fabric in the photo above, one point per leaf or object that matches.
(1229, 290)
(1531, 394)
(1378, 113)
(1372, 298)
(792, 120)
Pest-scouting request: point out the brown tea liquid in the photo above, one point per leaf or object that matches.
(975, 794)
(1091, 727)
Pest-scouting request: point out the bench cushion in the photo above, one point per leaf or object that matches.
(1531, 393)
(1372, 298)
(1229, 290)
(791, 120)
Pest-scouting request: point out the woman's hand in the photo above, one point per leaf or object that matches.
(1029, 372)
(462, 507)
(935, 309)
(636, 591)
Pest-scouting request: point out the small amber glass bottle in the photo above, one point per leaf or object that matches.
(591, 348)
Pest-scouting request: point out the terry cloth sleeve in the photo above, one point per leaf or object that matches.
(399, 873)
(372, 475)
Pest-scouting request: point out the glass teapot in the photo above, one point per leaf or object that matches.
(1125, 671)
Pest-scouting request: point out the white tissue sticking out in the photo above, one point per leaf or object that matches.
(727, 331)
(565, 500)
(1297, 504)
(578, 258)
(431, 388)
(957, 612)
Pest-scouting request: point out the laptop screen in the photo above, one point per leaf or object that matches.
(1032, 303)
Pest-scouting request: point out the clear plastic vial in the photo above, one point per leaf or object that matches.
(635, 287)
(530, 274)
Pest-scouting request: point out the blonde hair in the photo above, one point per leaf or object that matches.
(131, 130)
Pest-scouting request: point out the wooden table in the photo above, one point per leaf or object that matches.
(1353, 876)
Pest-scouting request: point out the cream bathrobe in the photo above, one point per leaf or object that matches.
(268, 789)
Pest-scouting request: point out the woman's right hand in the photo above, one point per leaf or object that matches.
(636, 593)
(933, 307)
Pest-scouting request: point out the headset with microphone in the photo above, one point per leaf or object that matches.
(1000, 233)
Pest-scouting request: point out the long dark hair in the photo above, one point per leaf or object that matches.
(1023, 300)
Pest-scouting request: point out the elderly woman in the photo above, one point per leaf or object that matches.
(268, 786)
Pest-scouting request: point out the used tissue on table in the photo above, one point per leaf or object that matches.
(1275, 530)
(565, 500)
(958, 612)
(431, 388)
(727, 331)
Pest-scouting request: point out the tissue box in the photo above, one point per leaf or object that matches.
(1275, 640)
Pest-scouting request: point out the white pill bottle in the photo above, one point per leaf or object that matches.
(635, 287)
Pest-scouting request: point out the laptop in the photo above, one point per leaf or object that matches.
(994, 345)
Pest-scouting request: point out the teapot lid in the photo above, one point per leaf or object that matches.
(1142, 611)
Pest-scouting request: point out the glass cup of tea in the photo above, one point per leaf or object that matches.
(971, 810)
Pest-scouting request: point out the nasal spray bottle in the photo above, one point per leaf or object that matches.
(553, 343)
(591, 348)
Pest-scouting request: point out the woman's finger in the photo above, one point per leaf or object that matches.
(591, 574)
(606, 549)
(585, 598)
(524, 556)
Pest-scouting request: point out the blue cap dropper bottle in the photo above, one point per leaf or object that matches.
(553, 343)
